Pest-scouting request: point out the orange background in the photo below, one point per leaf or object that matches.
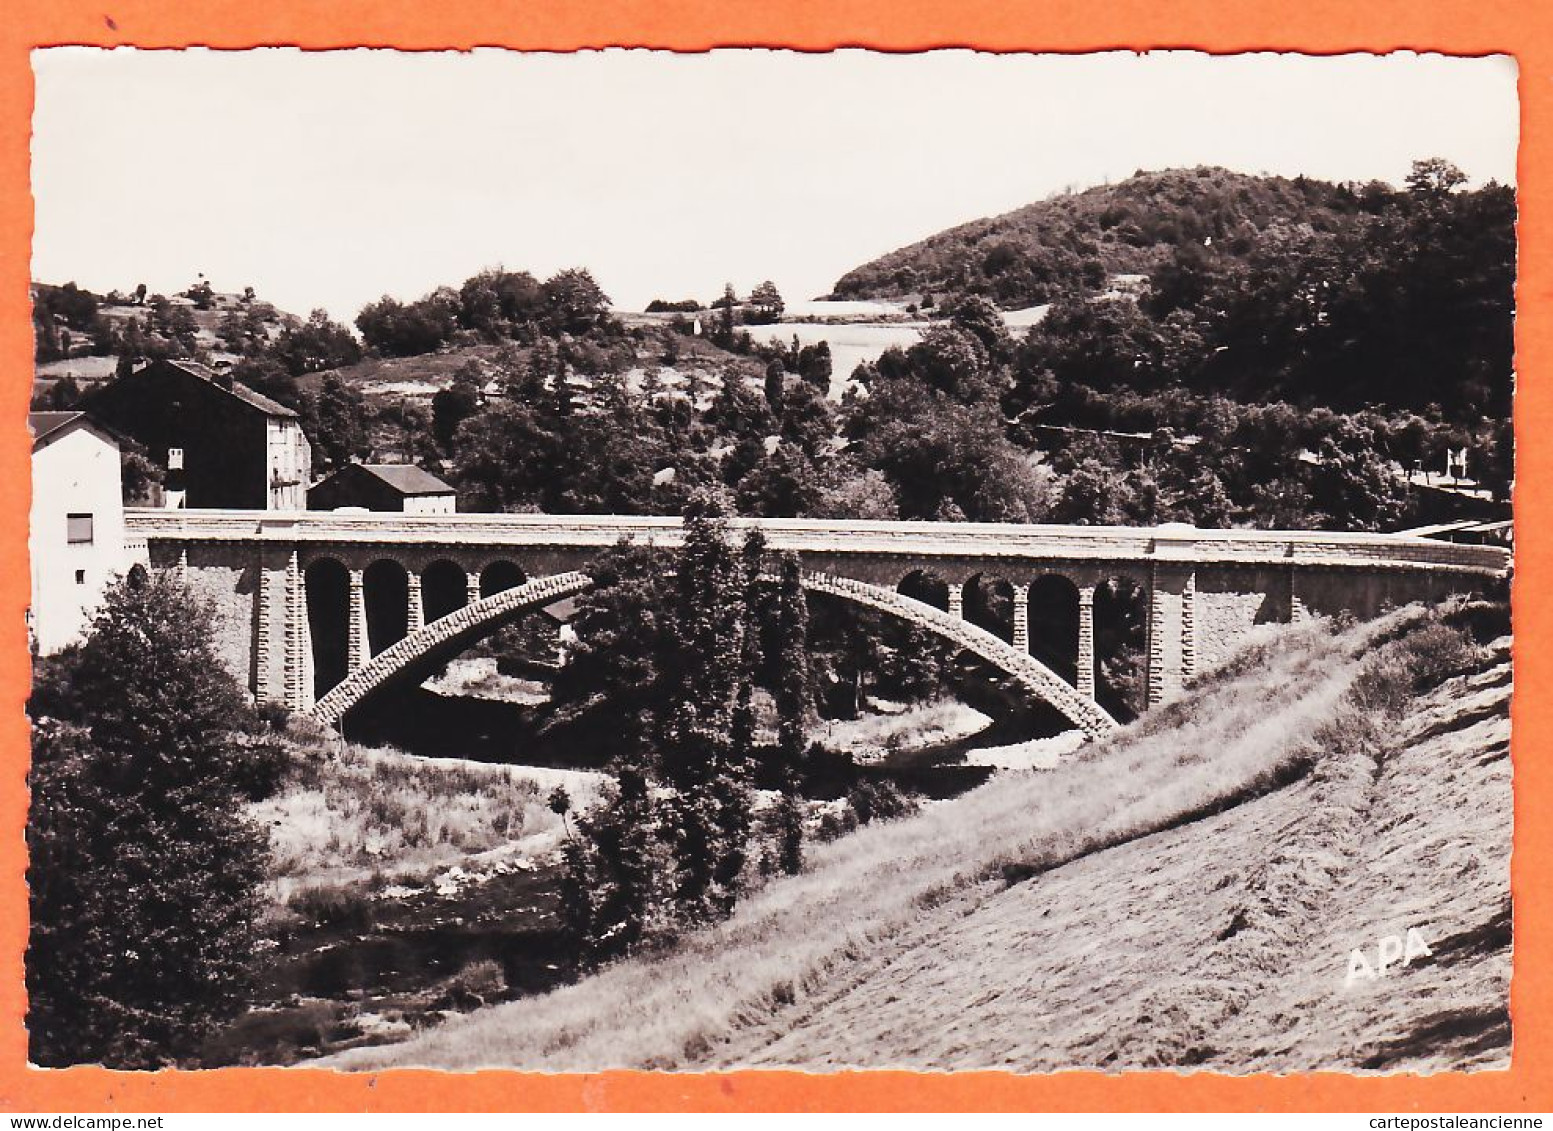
(1467, 27)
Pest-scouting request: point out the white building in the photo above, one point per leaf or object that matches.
(76, 534)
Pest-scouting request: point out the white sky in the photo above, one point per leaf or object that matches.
(330, 178)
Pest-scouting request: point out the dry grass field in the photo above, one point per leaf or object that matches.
(354, 813)
(1187, 893)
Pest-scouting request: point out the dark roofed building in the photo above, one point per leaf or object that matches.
(221, 444)
(383, 487)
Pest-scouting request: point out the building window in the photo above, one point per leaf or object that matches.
(78, 529)
(174, 459)
(80, 577)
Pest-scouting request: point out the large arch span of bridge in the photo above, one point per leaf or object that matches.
(464, 625)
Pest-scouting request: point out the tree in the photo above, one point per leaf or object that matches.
(795, 708)
(776, 379)
(742, 732)
(977, 316)
(61, 395)
(339, 424)
(703, 676)
(498, 303)
(1434, 178)
(141, 476)
(264, 374)
(144, 871)
(394, 329)
(857, 493)
(614, 880)
(814, 365)
(317, 344)
(765, 304)
(407, 429)
(452, 406)
(951, 360)
(664, 658)
(203, 294)
(725, 307)
(942, 456)
(1093, 494)
(575, 302)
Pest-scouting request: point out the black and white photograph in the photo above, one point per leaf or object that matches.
(753, 559)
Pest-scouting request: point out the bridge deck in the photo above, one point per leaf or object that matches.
(823, 536)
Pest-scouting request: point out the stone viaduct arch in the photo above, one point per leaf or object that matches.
(1031, 590)
(479, 617)
(461, 626)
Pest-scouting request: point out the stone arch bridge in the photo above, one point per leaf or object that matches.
(410, 588)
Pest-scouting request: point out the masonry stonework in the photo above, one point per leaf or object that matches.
(1202, 590)
(230, 584)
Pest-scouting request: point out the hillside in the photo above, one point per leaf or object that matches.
(81, 335)
(386, 380)
(1079, 240)
(1187, 894)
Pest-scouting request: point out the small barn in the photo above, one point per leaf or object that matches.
(383, 487)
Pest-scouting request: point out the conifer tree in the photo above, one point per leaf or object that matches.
(725, 314)
(144, 871)
(702, 692)
(743, 730)
(616, 870)
(794, 700)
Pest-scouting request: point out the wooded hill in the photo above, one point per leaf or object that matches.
(1078, 240)
(1259, 288)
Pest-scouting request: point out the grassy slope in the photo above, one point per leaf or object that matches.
(818, 970)
(1172, 951)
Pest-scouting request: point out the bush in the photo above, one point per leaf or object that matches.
(834, 826)
(478, 983)
(276, 716)
(348, 907)
(1414, 663)
(1484, 621)
(1437, 652)
(879, 801)
(1385, 686)
(264, 767)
